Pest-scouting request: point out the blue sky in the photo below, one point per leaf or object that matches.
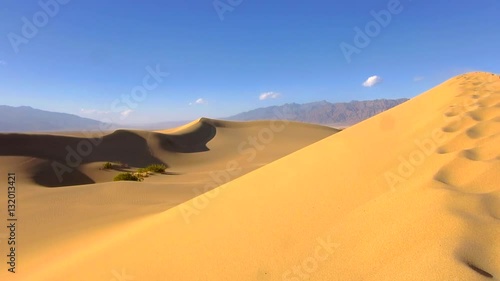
(87, 57)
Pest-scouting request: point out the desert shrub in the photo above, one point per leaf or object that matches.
(142, 170)
(122, 165)
(142, 174)
(107, 166)
(156, 168)
(127, 177)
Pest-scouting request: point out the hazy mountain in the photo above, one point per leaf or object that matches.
(28, 119)
(322, 112)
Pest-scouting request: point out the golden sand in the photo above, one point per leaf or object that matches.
(410, 194)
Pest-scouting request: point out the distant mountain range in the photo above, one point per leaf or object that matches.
(28, 119)
(323, 112)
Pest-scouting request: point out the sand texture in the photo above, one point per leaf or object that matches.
(410, 194)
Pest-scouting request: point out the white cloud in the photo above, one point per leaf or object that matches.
(269, 95)
(2, 62)
(92, 111)
(126, 113)
(98, 114)
(372, 81)
(418, 78)
(201, 101)
(87, 111)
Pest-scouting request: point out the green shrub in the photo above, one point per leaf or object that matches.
(156, 168)
(107, 166)
(127, 177)
(142, 175)
(142, 170)
(122, 165)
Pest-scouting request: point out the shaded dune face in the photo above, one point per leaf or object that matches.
(474, 172)
(118, 146)
(123, 146)
(35, 145)
(43, 174)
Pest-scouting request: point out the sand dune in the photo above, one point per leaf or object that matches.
(183, 150)
(197, 156)
(410, 194)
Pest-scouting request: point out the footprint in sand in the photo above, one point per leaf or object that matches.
(459, 123)
(485, 150)
(462, 106)
(477, 128)
(485, 113)
(474, 121)
(475, 169)
(484, 129)
(456, 144)
(459, 119)
(470, 176)
(492, 203)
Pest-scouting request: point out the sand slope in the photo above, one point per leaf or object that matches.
(411, 194)
(197, 155)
